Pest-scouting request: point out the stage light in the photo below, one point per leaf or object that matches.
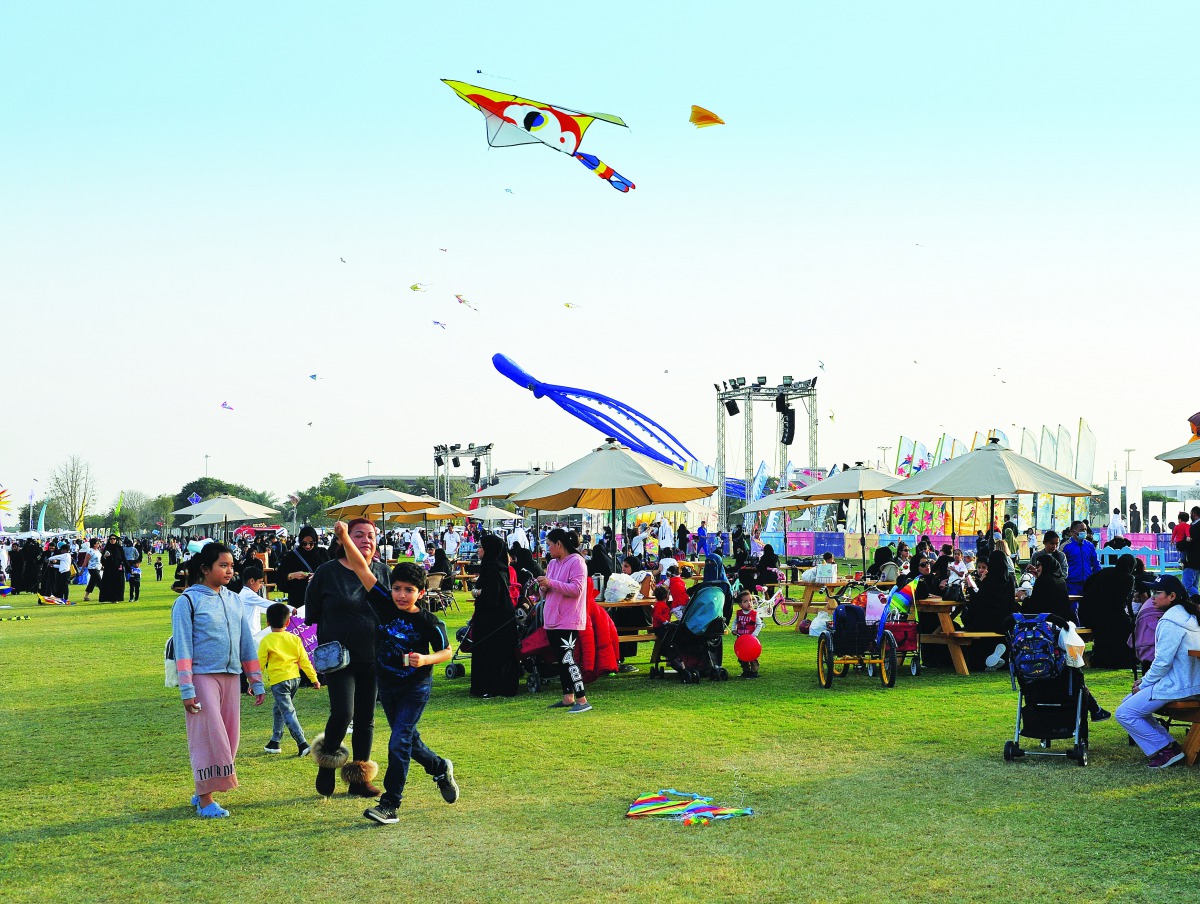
(762, 381)
(741, 382)
(787, 381)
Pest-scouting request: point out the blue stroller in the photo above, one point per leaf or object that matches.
(694, 644)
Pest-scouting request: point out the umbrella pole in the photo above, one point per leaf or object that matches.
(953, 525)
(612, 516)
(862, 530)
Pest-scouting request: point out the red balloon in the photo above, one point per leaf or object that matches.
(747, 648)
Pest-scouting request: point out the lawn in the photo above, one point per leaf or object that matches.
(861, 794)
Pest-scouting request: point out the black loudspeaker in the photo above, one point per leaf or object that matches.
(454, 461)
(789, 426)
(475, 471)
(781, 404)
(732, 407)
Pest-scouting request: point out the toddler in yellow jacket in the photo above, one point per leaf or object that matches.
(282, 656)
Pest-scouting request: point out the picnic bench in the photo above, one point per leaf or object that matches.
(1187, 711)
(633, 635)
(956, 639)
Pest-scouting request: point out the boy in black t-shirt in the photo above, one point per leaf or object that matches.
(409, 643)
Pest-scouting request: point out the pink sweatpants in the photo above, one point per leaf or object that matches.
(212, 733)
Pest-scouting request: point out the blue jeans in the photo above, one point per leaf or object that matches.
(403, 706)
(285, 712)
(1189, 578)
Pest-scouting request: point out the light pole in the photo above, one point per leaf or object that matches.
(368, 467)
(883, 451)
(206, 458)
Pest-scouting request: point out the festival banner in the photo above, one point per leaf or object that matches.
(1045, 502)
(1002, 436)
(1085, 465)
(1025, 500)
(1064, 463)
(904, 459)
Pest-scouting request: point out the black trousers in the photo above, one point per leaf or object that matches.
(93, 581)
(352, 694)
(565, 646)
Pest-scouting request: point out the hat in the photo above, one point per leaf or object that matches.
(1168, 583)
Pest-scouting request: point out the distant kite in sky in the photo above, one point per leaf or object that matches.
(342, 259)
(439, 323)
(513, 120)
(443, 249)
(510, 191)
(227, 406)
(418, 287)
(5, 502)
(466, 303)
(831, 415)
(821, 364)
(312, 376)
(492, 75)
(567, 304)
(701, 118)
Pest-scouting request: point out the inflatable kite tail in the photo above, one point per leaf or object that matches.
(605, 172)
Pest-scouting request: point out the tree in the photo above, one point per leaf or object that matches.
(73, 489)
(208, 487)
(56, 518)
(331, 490)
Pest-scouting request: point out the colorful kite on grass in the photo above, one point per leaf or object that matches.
(513, 120)
(701, 118)
(903, 599)
(690, 809)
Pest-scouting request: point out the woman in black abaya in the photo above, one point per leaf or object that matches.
(112, 582)
(494, 625)
(1105, 609)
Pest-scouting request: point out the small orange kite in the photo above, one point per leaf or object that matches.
(701, 118)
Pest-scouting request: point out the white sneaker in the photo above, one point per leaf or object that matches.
(996, 658)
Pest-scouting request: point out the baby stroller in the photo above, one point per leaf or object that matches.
(694, 644)
(455, 668)
(1050, 696)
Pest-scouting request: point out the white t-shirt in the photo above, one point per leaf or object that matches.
(1116, 526)
(254, 607)
(93, 560)
(665, 564)
(62, 562)
(451, 541)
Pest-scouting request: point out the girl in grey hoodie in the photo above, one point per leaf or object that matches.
(213, 646)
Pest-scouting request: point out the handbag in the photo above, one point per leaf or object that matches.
(330, 657)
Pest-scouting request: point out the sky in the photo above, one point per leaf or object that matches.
(914, 195)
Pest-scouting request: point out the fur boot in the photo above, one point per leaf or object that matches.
(329, 759)
(358, 774)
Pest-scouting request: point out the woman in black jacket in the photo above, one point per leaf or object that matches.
(296, 568)
(494, 625)
(1050, 593)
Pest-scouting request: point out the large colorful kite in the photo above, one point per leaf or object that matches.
(513, 120)
(690, 809)
(610, 417)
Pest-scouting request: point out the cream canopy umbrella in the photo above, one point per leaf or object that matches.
(859, 483)
(987, 473)
(379, 504)
(441, 511)
(611, 477)
(1185, 458)
(777, 502)
(223, 509)
(491, 513)
(508, 486)
(692, 507)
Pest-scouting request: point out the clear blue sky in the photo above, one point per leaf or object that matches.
(959, 184)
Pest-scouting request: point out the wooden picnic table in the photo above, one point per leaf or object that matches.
(954, 637)
(1187, 711)
(811, 588)
(639, 635)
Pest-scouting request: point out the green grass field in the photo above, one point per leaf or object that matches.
(862, 794)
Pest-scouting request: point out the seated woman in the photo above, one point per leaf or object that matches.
(883, 556)
(714, 568)
(767, 564)
(1049, 594)
(1105, 608)
(990, 607)
(443, 565)
(1173, 675)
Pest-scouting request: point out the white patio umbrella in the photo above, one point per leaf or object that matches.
(777, 502)
(613, 476)
(859, 482)
(508, 486)
(1185, 458)
(223, 509)
(379, 504)
(491, 513)
(441, 511)
(987, 473)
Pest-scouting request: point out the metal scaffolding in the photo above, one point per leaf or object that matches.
(745, 394)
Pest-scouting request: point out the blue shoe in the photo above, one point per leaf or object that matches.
(212, 811)
(195, 800)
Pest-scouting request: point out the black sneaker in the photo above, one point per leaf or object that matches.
(446, 784)
(272, 747)
(1101, 715)
(304, 749)
(385, 816)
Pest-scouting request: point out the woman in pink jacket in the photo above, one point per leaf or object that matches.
(565, 613)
